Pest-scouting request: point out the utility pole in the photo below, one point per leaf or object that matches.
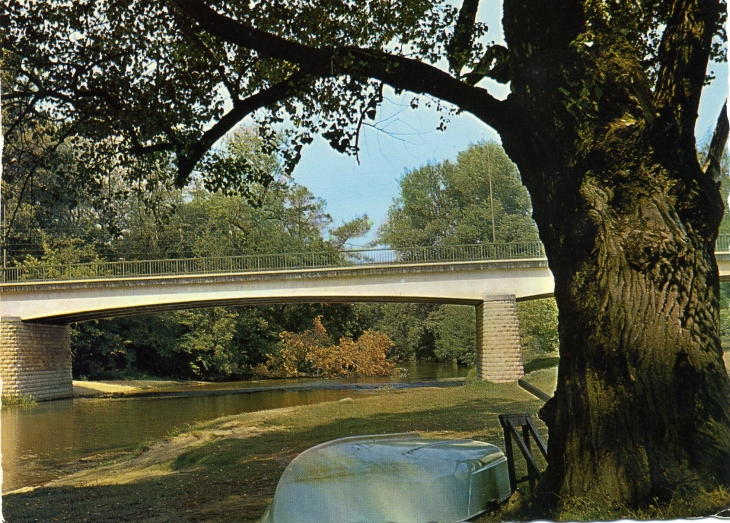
(5, 234)
(491, 196)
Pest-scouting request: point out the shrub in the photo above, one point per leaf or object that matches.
(312, 354)
(22, 400)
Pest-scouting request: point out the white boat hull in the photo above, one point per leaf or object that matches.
(392, 478)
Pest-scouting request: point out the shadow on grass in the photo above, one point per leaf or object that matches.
(541, 363)
(232, 480)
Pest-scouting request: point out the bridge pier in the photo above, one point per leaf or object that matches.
(35, 359)
(499, 355)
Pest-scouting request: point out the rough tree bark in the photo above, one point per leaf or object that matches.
(629, 220)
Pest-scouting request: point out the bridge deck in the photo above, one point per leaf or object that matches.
(81, 294)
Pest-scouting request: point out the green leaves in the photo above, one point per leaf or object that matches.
(355, 228)
(452, 203)
(141, 74)
(243, 167)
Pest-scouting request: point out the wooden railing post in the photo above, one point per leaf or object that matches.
(510, 423)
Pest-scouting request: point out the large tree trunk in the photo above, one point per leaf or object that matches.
(641, 406)
(629, 220)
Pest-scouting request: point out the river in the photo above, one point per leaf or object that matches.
(54, 438)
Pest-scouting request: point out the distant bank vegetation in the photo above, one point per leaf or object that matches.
(477, 198)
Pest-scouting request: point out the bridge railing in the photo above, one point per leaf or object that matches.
(291, 261)
(271, 262)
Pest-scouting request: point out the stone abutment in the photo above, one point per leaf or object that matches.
(499, 355)
(35, 359)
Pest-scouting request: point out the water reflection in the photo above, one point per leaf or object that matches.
(39, 443)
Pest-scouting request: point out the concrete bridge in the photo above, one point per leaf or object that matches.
(38, 303)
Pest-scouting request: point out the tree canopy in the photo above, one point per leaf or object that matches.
(476, 199)
(168, 79)
(600, 120)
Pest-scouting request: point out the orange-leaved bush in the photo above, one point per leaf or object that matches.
(312, 354)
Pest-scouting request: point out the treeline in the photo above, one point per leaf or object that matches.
(50, 220)
(476, 199)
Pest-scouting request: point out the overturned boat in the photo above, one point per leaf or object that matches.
(401, 478)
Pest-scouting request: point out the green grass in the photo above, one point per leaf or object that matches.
(21, 400)
(697, 503)
(682, 505)
(545, 379)
(231, 470)
(543, 362)
(227, 469)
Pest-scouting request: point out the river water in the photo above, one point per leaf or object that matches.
(51, 439)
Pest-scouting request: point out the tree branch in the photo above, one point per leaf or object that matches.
(190, 34)
(494, 64)
(683, 54)
(241, 108)
(717, 145)
(397, 71)
(459, 47)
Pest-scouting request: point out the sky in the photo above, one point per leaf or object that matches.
(408, 139)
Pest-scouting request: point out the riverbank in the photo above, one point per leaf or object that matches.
(227, 469)
(95, 389)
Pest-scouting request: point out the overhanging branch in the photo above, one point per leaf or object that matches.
(241, 108)
(717, 145)
(397, 71)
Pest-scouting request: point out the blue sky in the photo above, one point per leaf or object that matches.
(408, 140)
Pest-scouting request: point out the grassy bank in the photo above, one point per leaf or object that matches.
(227, 470)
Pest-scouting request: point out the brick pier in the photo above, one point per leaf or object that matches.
(35, 359)
(499, 355)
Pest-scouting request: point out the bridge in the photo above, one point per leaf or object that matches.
(39, 302)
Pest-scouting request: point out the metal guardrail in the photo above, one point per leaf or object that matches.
(273, 262)
(292, 261)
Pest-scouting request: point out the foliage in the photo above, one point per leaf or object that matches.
(357, 227)
(159, 82)
(21, 400)
(538, 321)
(208, 342)
(311, 353)
(282, 217)
(407, 325)
(43, 200)
(62, 257)
(455, 328)
(453, 203)
(100, 350)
